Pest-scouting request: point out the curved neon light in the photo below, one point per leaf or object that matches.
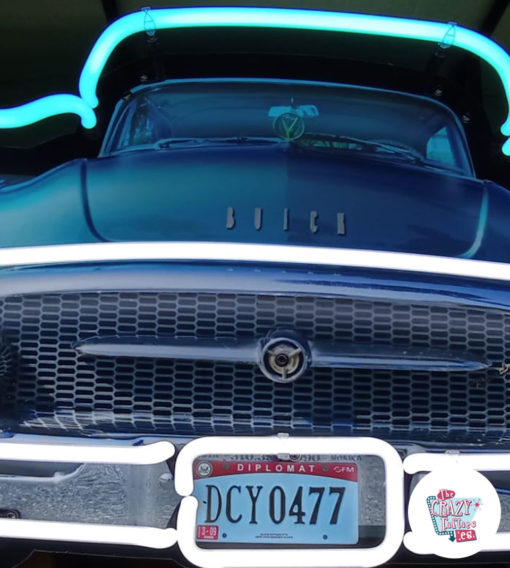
(445, 34)
(47, 106)
(48, 255)
(148, 537)
(170, 18)
(65, 451)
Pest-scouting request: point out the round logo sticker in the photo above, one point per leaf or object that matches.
(204, 469)
(453, 513)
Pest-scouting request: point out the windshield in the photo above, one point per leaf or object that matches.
(323, 118)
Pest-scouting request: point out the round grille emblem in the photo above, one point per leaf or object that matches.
(284, 358)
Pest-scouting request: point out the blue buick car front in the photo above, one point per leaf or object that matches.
(267, 325)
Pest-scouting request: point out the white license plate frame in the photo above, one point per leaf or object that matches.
(324, 557)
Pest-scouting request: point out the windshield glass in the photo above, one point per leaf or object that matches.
(323, 118)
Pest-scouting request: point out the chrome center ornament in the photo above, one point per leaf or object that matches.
(284, 357)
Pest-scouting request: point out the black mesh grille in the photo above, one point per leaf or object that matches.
(52, 388)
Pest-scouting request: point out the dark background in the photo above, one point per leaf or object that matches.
(44, 44)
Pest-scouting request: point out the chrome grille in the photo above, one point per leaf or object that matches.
(52, 388)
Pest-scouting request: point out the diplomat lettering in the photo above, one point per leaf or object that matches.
(275, 468)
(314, 220)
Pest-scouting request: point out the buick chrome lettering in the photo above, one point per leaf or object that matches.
(258, 220)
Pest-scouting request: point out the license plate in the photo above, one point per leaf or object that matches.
(279, 502)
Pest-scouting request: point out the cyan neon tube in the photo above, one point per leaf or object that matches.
(445, 34)
(53, 105)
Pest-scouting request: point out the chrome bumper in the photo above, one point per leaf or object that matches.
(148, 458)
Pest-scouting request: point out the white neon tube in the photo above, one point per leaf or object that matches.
(147, 537)
(416, 463)
(70, 452)
(500, 542)
(238, 252)
(289, 558)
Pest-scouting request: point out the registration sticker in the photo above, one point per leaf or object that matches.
(247, 502)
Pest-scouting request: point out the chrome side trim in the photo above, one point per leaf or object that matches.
(480, 230)
(323, 354)
(378, 356)
(190, 348)
(259, 253)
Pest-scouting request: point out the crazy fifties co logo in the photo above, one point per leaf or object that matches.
(453, 516)
(455, 522)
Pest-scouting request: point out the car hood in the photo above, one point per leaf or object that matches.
(273, 195)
